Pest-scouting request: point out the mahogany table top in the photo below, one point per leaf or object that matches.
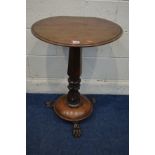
(76, 31)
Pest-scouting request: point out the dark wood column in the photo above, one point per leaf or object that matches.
(74, 72)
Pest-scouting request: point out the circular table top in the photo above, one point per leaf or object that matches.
(76, 31)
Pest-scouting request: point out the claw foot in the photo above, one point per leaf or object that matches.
(50, 104)
(93, 100)
(76, 130)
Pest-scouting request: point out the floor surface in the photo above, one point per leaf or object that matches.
(105, 132)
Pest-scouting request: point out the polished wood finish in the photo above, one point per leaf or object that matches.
(74, 72)
(64, 111)
(76, 31)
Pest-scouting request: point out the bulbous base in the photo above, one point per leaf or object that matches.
(73, 114)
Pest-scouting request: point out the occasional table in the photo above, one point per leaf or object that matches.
(75, 33)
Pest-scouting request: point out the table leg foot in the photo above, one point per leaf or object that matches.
(93, 100)
(50, 104)
(76, 130)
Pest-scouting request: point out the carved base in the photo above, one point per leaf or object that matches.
(73, 114)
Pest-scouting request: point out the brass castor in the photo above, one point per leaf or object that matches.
(76, 130)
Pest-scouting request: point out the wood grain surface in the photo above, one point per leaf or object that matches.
(76, 31)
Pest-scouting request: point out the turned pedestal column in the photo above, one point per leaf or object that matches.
(74, 72)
